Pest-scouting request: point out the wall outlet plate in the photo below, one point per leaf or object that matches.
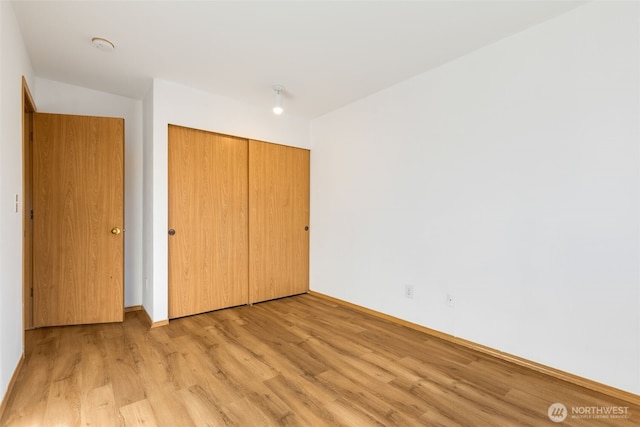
(408, 291)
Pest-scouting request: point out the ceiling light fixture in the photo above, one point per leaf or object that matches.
(102, 44)
(277, 106)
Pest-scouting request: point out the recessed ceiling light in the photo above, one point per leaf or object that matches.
(102, 44)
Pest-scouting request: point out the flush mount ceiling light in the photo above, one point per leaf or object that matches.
(103, 44)
(277, 106)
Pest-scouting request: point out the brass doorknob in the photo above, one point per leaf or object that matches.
(115, 230)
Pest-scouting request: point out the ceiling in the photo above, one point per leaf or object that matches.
(327, 54)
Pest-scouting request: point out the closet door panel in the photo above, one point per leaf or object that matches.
(278, 221)
(208, 221)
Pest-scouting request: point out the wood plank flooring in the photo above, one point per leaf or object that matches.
(298, 361)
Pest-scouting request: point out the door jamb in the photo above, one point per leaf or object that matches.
(28, 108)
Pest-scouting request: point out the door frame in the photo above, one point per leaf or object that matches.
(28, 108)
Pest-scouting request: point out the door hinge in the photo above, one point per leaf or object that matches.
(30, 136)
(32, 214)
(32, 292)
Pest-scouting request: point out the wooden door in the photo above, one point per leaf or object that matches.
(208, 209)
(278, 221)
(78, 216)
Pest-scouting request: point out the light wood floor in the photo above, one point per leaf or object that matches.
(300, 361)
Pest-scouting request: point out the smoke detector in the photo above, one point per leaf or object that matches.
(103, 44)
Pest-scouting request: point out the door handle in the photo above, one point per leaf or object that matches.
(172, 232)
(115, 230)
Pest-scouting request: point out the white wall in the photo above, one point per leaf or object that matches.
(507, 178)
(14, 63)
(55, 97)
(180, 105)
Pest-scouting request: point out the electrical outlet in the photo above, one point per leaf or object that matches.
(451, 301)
(408, 291)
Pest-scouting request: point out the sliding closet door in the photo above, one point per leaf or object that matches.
(208, 224)
(278, 221)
